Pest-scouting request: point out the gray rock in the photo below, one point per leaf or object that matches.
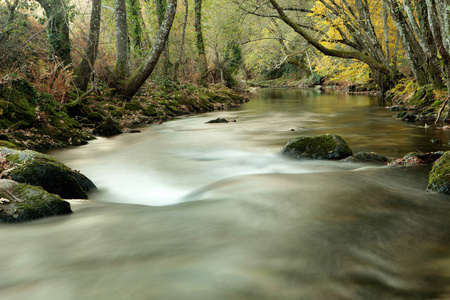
(21, 202)
(318, 147)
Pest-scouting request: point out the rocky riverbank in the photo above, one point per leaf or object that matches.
(31, 120)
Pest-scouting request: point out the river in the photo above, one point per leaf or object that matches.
(188, 210)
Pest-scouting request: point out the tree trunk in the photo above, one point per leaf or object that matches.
(58, 28)
(202, 62)
(375, 63)
(412, 49)
(161, 6)
(136, 27)
(11, 10)
(183, 37)
(83, 71)
(122, 67)
(138, 78)
(386, 31)
(435, 27)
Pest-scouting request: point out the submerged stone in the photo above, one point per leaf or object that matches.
(417, 158)
(21, 202)
(365, 157)
(439, 177)
(318, 147)
(38, 169)
(220, 120)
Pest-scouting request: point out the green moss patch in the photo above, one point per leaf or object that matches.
(22, 202)
(439, 177)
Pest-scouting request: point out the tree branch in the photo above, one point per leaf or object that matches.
(328, 51)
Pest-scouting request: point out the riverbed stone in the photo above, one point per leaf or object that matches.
(365, 157)
(220, 120)
(20, 202)
(327, 146)
(439, 177)
(39, 169)
(417, 159)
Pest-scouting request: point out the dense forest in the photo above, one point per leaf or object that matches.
(125, 51)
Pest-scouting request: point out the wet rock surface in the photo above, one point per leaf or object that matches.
(318, 147)
(38, 169)
(21, 202)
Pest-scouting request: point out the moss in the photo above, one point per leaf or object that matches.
(319, 147)
(26, 88)
(423, 96)
(17, 109)
(108, 128)
(439, 177)
(133, 106)
(27, 203)
(150, 111)
(366, 157)
(95, 117)
(7, 144)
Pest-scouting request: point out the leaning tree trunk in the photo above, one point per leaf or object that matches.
(122, 67)
(58, 28)
(137, 79)
(86, 67)
(202, 62)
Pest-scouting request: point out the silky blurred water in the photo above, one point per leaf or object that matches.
(188, 210)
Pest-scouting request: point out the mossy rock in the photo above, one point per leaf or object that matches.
(79, 110)
(108, 128)
(150, 111)
(133, 106)
(21, 203)
(38, 169)
(423, 96)
(16, 108)
(95, 117)
(25, 87)
(439, 177)
(365, 157)
(325, 146)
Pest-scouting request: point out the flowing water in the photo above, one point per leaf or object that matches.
(188, 210)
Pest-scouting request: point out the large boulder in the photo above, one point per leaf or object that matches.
(365, 157)
(439, 178)
(38, 169)
(21, 202)
(325, 146)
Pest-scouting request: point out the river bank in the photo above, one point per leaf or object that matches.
(33, 120)
(407, 99)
